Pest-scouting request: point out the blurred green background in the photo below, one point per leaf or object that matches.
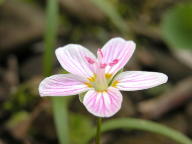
(162, 31)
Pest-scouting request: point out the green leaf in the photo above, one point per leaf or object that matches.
(144, 125)
(2, 1)
(60, 112)
(51, 31)
(60, 109)
(80, 126)
(177, 26)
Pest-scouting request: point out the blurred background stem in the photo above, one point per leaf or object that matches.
(60, 113)
(110, 11)
(59, 104)
(50, 36)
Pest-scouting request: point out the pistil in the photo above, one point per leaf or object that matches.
(101, 82)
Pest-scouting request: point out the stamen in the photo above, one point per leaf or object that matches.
(114, 62)
(108, 75)
(92, 79)
(88, 84)
(89, 60)
(99, 53)
(103, 65)
(114, 84)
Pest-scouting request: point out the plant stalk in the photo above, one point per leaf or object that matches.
(98, 133)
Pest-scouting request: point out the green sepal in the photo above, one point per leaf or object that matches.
(111, 81)
(81, 96)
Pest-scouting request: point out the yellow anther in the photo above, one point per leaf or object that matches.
(101, 91)
(114, 84)
(92, 79)
(108, 75)
(88, 84)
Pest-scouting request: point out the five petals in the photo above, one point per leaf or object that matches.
(81, 63)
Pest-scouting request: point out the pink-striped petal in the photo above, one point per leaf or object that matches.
(76, 60)
(62, 85)
(103, 104)
(116, 53)
(138, 80)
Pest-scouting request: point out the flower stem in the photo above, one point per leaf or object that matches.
(98, 134)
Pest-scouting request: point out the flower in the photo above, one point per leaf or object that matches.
(99, 77)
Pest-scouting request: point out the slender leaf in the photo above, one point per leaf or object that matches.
(59, 103)
(50, 35)
(60, 113)
(144, 125)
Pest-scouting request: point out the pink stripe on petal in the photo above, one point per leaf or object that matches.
(117, 49)
(139, 80)
(89, 60)
(76, 60)
(103, 104)
(62, 85)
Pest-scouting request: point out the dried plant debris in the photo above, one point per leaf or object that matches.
(20, 23)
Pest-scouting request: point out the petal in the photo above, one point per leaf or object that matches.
(138, 80)
(73, 58)
(117, 52)
(103, 104)
(62, 85)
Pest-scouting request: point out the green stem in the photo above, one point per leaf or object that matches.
(98, 133)
(59, 103)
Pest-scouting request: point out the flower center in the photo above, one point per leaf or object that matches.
(100, 81)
